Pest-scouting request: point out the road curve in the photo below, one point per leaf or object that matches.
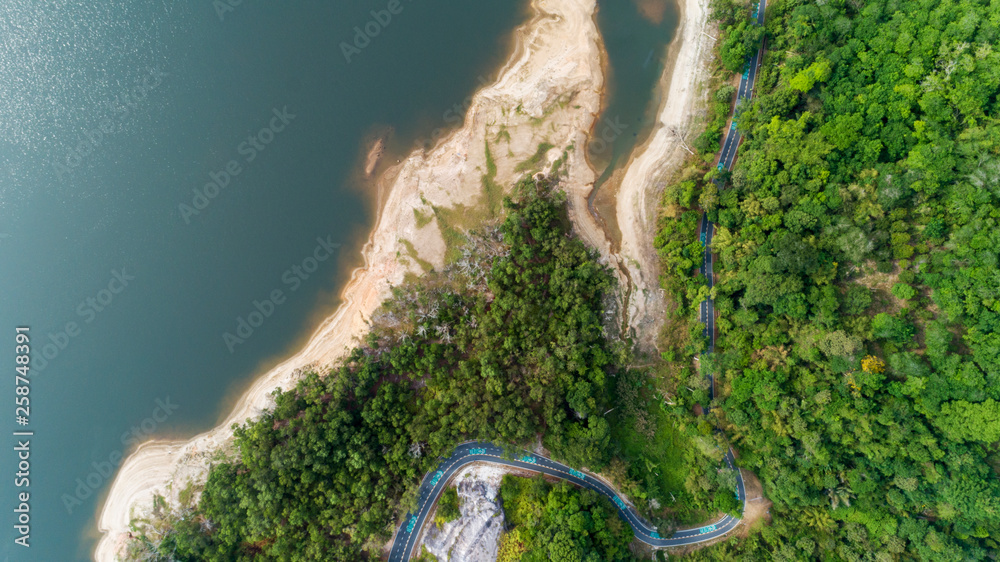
(467, 453)
(478, 452)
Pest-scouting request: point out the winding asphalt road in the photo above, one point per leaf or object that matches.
(726, 159)
(477, 452)
(465, 454)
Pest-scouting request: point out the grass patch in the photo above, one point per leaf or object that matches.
(423, 219)
(502, 134)
(412, 253)
(452, 222)
(425, 556)
(533, 162)
(660, 456)
(559, 166)
(650, 438)
(492, 191)
(187, 494)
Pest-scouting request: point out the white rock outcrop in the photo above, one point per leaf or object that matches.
(475, 536)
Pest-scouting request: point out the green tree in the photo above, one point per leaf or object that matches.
(966, 421)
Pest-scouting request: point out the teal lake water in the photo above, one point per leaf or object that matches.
(113, 113)
(635, 41)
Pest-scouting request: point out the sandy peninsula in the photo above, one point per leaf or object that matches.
(548, 92)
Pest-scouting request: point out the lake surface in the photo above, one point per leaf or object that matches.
(113, 112)
(636, 34)
(165, 169)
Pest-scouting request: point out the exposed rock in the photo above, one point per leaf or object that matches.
(475, 536)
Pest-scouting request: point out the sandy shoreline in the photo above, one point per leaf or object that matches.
(548, 92)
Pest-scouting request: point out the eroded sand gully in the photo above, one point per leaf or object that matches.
(549, 91)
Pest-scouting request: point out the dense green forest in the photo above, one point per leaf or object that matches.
(559, 522)
(448, 507)
(506, 344)
(857, 280)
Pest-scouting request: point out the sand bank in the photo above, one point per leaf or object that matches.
(548, 92)
(374, 155)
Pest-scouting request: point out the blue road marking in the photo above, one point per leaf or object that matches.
(437, 478)
(477, 451)
(402, 546)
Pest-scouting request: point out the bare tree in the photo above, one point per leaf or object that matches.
(680, 138)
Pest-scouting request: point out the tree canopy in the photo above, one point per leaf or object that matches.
(562, 523)
(505, 345)
(858, 363)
